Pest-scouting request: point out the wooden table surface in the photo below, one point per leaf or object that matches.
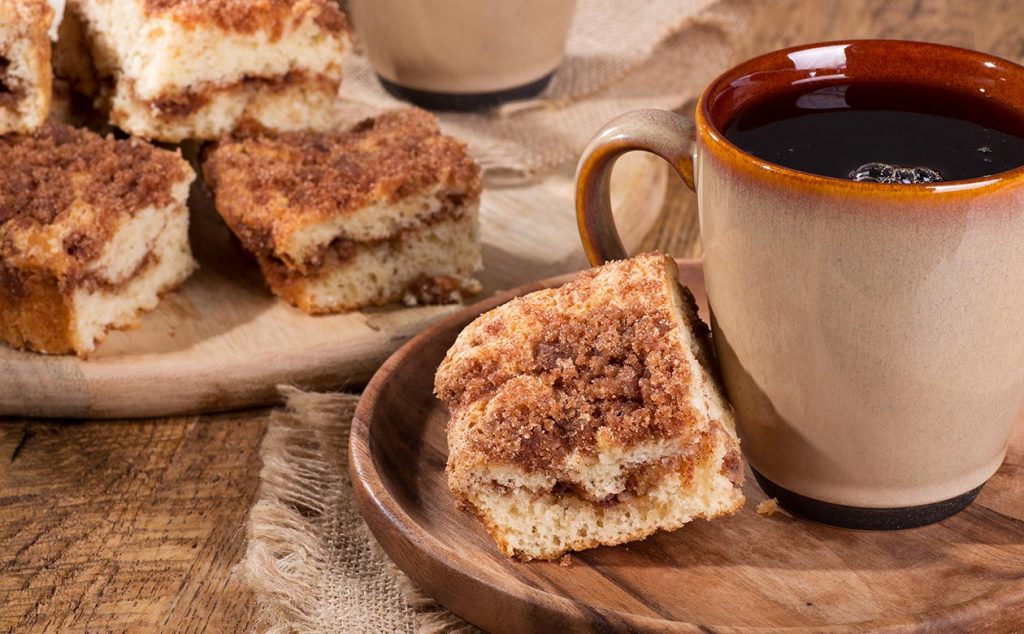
(129, 525)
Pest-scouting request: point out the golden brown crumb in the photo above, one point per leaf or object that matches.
(732, 467)
(768, 507)
(48, 170)
(269, 186)
(64, 194)
(249, 16)
(581, 416)
(565, 561)
(564, 372)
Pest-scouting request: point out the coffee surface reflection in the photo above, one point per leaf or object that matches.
(880, 132)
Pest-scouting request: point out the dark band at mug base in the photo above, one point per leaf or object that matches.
(867, 519)
(465, 102)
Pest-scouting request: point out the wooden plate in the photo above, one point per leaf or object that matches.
(743, 573)
(223, 341)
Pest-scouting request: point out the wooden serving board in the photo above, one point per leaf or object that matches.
(223, 341)
(744, 573)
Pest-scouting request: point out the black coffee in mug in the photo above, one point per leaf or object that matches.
(881, 132)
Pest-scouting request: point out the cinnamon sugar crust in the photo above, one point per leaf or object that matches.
(584, 368)
(93, 231)
(249, 16)
(586, 415)
(343, 220)
(81, 181)
(270, 186)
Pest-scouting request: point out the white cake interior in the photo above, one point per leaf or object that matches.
(382, 272)
(375, 221)
(160, 55)
(58, 17)
(531, 523)
(148, 256)
(298, 106)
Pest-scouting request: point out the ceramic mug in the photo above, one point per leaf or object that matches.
(870, 336)
(463, 54)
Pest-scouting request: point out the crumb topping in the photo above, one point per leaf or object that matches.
(732, 467)
(269, 185)
(596, 363)
(50, 174)
(250, 16)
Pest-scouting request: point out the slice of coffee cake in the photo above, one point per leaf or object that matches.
(92, 231)
(384, 212)
(587, 415)
(25, 76)
(188, 69)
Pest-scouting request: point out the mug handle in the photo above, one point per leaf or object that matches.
(666, 134)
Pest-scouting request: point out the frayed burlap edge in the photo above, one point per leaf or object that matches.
(310, 560)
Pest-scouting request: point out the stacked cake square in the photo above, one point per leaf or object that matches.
(177, 69)
(386, 211)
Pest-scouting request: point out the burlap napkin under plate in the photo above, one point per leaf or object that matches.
(310, 559)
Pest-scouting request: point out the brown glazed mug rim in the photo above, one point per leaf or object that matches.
(778, 69)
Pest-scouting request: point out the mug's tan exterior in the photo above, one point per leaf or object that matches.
(463, 46)
(873, 350)
(871, 337)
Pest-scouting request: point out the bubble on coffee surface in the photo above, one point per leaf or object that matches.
(898, 174)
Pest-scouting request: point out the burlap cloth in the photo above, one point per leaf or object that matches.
(310, 559)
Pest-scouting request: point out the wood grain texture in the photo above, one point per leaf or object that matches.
(126, 526)
(223, 341)
(743, 573)
(97, 528)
